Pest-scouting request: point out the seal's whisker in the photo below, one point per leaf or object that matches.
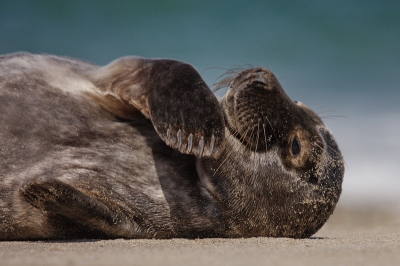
(334, 151)
(235, 134)
(320, 145)
(223, 83)
(325, 163)
(328, 147)
(223, 161)
(244, 115)
(219, 68)
(250, 142)
(229, 76)
(227, 156)
(265, 138)
(244, 137)
(317, 144)
(258, 133)
(272, 128)
(246, 66)
(333, 116)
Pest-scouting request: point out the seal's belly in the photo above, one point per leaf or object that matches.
(50, 133)
(75, 162)
(45, 131)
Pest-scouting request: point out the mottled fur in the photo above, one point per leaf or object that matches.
(85, 153)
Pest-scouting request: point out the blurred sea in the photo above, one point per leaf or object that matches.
(341, 58)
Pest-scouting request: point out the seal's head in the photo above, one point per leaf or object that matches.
(280, 172)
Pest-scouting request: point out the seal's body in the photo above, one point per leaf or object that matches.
(141, 148)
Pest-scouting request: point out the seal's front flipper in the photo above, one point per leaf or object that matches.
(56, 197)
(184, 111)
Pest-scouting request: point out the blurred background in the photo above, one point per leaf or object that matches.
(341, 58)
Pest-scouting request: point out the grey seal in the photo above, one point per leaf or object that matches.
(141, 148)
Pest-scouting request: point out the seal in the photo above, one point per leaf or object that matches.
(141, 148)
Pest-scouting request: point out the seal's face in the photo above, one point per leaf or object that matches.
(281, 164)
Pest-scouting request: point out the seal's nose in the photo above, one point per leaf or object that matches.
(260, 79)
(254, 82)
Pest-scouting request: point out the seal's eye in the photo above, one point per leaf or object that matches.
(296, 148)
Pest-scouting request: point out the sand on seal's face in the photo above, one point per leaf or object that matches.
(351, 237)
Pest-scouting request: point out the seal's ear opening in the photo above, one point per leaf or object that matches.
(296, 146)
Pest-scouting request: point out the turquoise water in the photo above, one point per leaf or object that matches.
(341, 58)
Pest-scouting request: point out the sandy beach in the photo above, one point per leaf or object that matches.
(340, 58)
(353, 236)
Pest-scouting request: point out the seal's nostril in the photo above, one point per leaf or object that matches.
(260, 81)
(257, 83)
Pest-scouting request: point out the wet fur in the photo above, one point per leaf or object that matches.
(99, 152)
